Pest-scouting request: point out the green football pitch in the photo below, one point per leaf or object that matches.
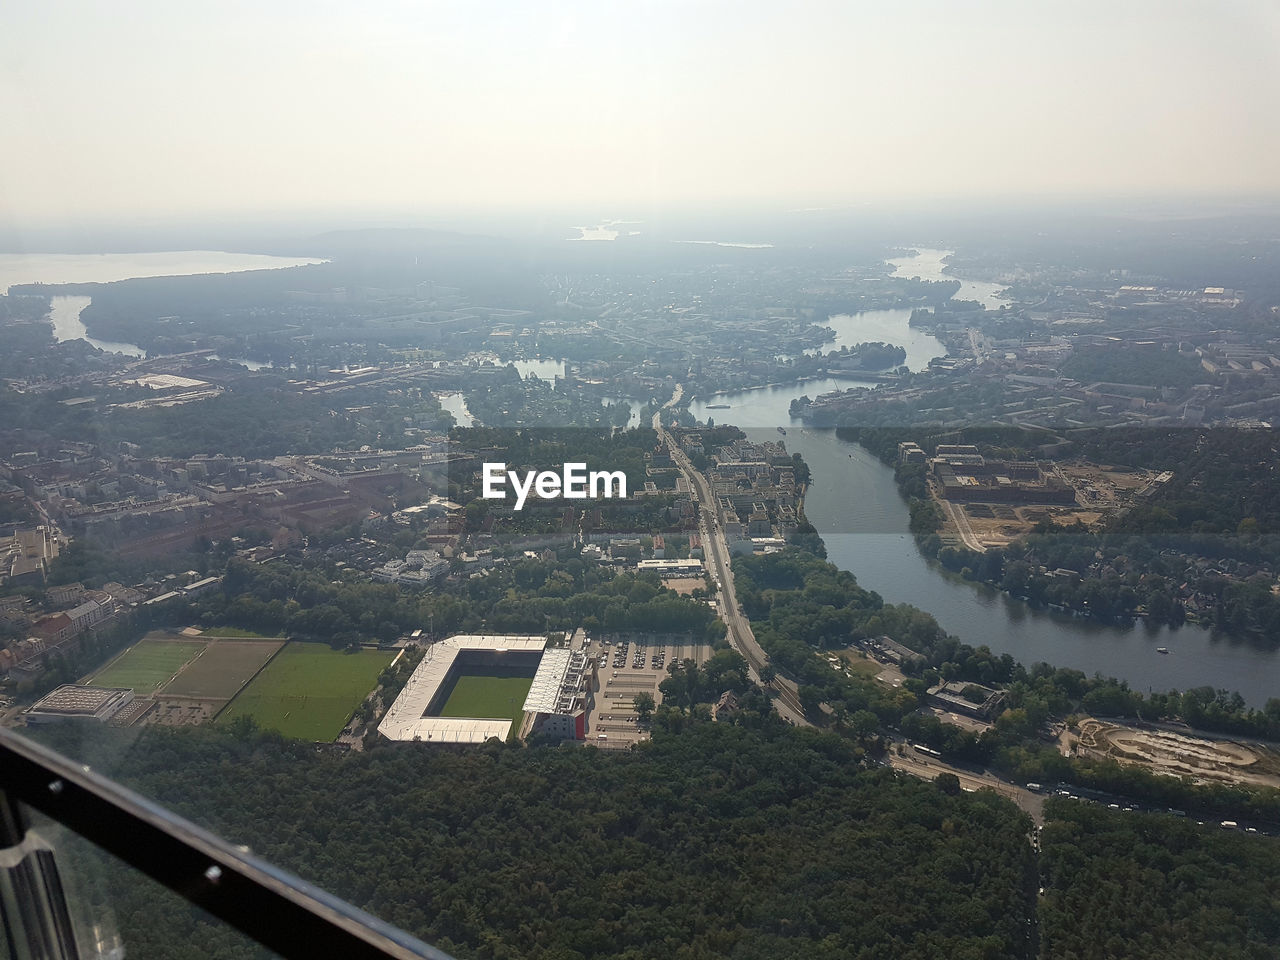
(480, 697)
(147, 664)
(309, 690)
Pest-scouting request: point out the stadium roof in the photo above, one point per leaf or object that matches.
(545, 691)
(406, 721)
(459, 730)
(557, 684)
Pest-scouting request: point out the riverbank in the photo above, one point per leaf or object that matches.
(854, 503)
(779, 384)
(70, 280)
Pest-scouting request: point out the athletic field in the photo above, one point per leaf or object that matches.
(223, 668)
(309, 690)
(480, 697)
(147, 665)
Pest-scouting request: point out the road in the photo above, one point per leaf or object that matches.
(957, 514)
(978, 344)
(928, 768)
(740, 636)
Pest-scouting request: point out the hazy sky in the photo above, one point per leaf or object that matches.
(145, 109)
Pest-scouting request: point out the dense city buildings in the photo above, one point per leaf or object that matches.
(308, 542)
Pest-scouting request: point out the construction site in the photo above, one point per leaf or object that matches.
(990, 503)
(1203, 757)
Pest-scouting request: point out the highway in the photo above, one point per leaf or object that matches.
(740, 636)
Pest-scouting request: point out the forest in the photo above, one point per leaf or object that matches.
(1149, 367)
(720, 840)
(526, 595)
(1154, 887)
(742, 839)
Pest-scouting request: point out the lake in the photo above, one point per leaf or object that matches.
(19, 268)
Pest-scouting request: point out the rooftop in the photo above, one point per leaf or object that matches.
(71, 701)
(557, 683)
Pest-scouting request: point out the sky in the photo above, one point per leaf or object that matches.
(136, 110)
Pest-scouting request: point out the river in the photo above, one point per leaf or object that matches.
(855, 504)
(456, 404)
(64, 314)
(928, 264)
(634, 403)
(18, 268)
(767, 406)
(888, 326)
(54, 268)
(539, 367)
(542, 368)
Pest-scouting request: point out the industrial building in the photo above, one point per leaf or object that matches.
(671, 568)
(910, 452)
(886, 648)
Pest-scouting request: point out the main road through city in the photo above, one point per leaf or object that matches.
(787, 703)
(741, 638)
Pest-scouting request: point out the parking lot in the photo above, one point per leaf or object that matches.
(632, 664)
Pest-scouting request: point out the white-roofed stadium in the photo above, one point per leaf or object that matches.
(469, 688)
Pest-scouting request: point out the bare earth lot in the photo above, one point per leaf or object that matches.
(1203, 756)
(210, 681)
(1101, 490)
(224, 667)
(685, 585)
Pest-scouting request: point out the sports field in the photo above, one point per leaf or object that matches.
(225, 667)
(480, 697)
(309, 690)
(147, 665)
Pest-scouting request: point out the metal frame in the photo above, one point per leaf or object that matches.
(283, 913)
